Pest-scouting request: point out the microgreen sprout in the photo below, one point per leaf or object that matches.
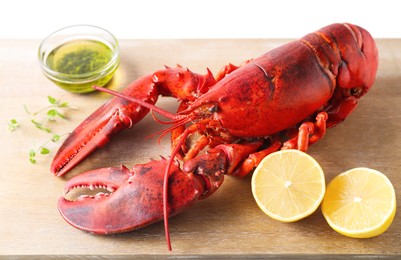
(13, 124)
(53, 111)
(42, 149)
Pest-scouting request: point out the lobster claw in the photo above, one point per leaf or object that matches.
(96, 130)
(135, 201)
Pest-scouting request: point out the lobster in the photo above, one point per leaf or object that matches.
(225, 124)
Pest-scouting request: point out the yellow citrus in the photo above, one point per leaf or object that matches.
(360, 203)
(288, 185)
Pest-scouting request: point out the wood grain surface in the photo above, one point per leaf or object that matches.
(229, 223)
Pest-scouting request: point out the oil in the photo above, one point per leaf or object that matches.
(79, 57)
(81, 64)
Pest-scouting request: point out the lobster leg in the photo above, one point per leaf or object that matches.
(308, 134)
(228, 69)
(341, 106)
(243, 158)
(224, 158)
(254, 159)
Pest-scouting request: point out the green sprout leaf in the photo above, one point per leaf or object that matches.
(44, 150)
(52, 100)
(32, 160)
(55, 138)
(32, 155)
(52, 112)
(13, 124)
(64, 104)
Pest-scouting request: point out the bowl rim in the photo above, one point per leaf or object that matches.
(64, 77)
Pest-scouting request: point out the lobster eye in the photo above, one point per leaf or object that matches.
(213, 109)
(355, 92)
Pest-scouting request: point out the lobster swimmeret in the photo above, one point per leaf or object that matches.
(284, 99)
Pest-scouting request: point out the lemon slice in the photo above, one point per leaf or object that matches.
(288, 185)
(360, 203)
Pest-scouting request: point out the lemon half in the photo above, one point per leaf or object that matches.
(360, 203)
(288, 185)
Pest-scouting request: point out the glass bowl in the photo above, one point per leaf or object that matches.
(77, 57)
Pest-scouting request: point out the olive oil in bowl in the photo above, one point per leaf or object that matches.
(77, 62)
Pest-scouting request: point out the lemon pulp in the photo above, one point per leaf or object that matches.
(288, 185)
(360, 203)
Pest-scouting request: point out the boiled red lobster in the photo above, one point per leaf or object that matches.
(284, 99)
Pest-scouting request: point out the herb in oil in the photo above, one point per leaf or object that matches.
(80, 59)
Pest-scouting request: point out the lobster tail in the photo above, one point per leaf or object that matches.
(354, 70)
(359, 55)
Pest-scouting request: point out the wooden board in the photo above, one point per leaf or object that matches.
(229, 223)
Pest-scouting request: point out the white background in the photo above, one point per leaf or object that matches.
(198, 19)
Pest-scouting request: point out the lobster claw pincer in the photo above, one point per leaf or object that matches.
(96, 130)
(136, 198)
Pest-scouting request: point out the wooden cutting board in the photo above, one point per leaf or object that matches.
(229, 223)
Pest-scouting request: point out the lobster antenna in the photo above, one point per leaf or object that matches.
(140, 102)
(166, 131)
(162, 133)
(165, 185)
